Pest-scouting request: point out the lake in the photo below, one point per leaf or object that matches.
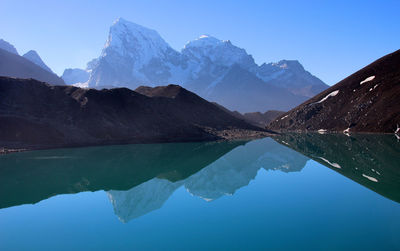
(293, 191)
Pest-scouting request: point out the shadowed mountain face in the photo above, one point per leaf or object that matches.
(34, 57)
(13, 65)
(366, 101)
(370, 160)
(36, 115)
(4, 45)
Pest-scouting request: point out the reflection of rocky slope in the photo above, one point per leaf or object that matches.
(223, 177)
(370, 160)
(35, 176)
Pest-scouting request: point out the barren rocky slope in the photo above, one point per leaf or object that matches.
(35, 115)
(366, 101)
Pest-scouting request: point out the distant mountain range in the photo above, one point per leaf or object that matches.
(366, 101)
(28, 66)
(214, 69)
(75, 77)
(8, 47)
(34, 57)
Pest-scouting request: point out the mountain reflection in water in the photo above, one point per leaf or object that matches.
(222, 177)
(140, 178)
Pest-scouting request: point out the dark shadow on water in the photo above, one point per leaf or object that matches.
(371, 160)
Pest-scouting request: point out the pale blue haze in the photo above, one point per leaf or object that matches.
(332, 40)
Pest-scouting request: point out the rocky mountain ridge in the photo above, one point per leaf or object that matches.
(366, 101)
(36, 115)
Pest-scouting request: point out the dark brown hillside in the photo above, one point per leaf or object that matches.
(367, 101)
(37, 115)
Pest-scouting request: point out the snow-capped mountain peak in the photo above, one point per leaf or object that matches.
(130, 39)
(290, 64)
(204, 41)
(222, 52)
(132, 56)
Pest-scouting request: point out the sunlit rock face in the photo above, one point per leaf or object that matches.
(225, 176)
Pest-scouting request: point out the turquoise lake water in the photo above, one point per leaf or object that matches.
(293, 192)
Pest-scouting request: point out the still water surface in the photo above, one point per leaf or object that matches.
(297, 191)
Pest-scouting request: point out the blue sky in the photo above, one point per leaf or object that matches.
(332, 39)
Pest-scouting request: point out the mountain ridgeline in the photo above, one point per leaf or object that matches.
(34, 57)
(37, 115)
(366, 101)
(215, 69)
(28, 66)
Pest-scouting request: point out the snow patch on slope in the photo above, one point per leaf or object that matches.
(367, 80)
(332, 94)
